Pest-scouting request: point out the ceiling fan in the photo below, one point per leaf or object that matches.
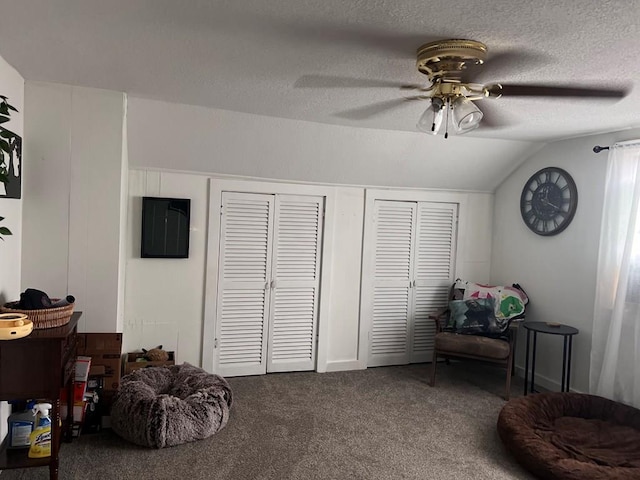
(452, 66)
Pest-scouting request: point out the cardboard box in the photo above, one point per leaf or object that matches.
(97, 371)
(132, 365)
(112, 364)
(105, 350)
(99, 343)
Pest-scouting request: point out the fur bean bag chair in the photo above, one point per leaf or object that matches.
(166, 406)
(572, 436)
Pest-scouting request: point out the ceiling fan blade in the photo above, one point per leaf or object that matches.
(501, 63)
(361, 113)
(525, 90)
(331, 81)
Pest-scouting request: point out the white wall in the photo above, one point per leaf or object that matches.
(11, 86)
(71, 231)
(183, 137)
(164, 298)
(344, 298)
(164, 301)
(558, 272)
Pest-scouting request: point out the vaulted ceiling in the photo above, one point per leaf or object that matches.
(270, 57)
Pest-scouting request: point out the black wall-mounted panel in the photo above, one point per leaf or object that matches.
(165, 227)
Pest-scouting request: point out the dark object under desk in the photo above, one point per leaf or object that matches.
(567, 333)
(38, 366)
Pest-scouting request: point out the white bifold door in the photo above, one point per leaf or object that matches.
(268, 283)
(409, 276)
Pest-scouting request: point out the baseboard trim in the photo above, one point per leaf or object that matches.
(545, 382)
(344, 365)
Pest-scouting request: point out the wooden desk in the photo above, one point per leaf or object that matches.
(38, 366)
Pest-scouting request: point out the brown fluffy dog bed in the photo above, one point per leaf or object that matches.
(162, 407)
(572, 436)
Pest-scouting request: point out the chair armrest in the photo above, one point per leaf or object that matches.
(440, 316)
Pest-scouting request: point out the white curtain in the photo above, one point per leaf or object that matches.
(615, 351)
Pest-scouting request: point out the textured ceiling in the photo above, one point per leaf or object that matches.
(254, 55)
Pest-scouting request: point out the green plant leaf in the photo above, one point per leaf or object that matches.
(5, 231)
(4, 119)
(4, 133)
(4, 109)
(11, 107)
(1, 218)
(3, 129)
(4, 145)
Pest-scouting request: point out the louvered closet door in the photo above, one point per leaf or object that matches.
(295, 283)
(243, 282)
(435, 249)
(389, 339)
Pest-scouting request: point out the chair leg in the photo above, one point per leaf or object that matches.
(508, 385)
(513, 359)
(434, 364)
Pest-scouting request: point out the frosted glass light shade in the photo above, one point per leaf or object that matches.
(466, 116)
(431, 120)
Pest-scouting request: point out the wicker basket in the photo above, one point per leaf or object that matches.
(44, 317)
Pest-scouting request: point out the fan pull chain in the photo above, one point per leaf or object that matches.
(446, 128)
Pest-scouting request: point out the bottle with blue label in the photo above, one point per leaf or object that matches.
(21, 424)
(41, 435)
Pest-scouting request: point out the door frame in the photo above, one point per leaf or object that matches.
(216, 187)
(371, 195)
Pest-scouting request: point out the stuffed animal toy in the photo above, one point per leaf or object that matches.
(156, 354)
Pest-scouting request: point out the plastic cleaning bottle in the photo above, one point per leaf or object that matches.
(21, 424)
(41, 435)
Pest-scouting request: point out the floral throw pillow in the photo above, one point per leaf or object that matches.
(509, 302)
(475, 317)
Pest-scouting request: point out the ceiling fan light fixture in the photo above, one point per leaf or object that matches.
(431, 120)
(466, 115)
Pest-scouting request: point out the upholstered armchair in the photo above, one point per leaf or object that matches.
(480, 323)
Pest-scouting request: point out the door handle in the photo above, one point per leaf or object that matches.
(273, 284)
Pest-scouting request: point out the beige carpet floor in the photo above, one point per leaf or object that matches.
(381, 423)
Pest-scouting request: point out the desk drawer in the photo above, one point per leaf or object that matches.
(69, 360)
(69, 344)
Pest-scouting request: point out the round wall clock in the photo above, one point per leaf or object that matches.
(549, 200)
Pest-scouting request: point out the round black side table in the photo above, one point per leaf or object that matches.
(567, 333)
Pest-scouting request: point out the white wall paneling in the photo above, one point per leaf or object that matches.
(11, 86)
(164, 297)
(344, 296)
(75, 184)
(275, 200)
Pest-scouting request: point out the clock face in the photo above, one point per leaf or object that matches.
(549, 200)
